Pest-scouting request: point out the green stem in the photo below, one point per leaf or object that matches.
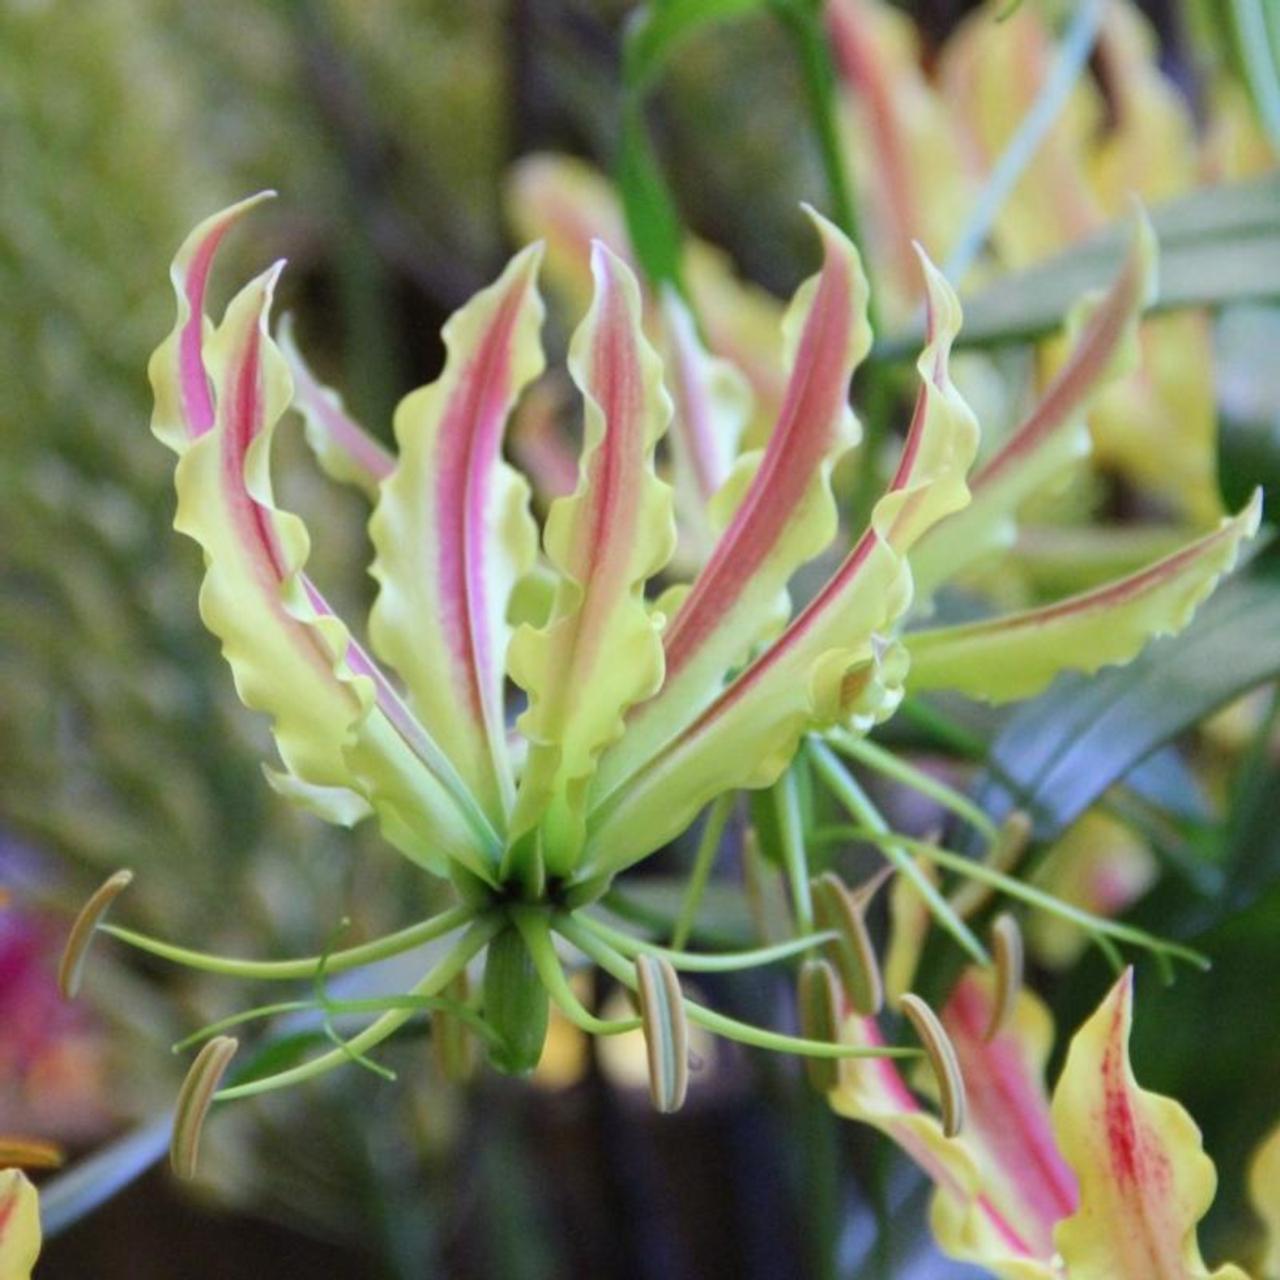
(536, 932)
(700, 873)
(885, 762)
(804, 24)
(786, 801)
(432, 983)
(858, 803)
(729, 962)
(621, 969)
(289, 970)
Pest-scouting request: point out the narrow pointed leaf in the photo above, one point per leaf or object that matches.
(1017, 655)
(453, 533)
(1145, 1181)
(600, 652)
(834, 663)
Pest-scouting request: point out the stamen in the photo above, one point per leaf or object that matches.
(942, 1059)
(844, 787)
(818, 1002)
(71, 969)
(666, 1031)
(852, 953)
(194, 1100)
(1004, 855)
(29, 1153)
(1006, 947)
(452, 1043)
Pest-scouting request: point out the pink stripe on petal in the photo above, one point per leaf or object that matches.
(468, 451)
(1076, 381)
(1009, 1114)
(806, 432)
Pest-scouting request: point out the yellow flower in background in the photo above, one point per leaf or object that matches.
(1264, 1192)
(920, 149)
(1105, 1182)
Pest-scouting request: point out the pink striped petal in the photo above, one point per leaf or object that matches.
(453, 533)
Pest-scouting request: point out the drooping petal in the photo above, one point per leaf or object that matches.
(337, 724)
(1017, 655)
(346, 451)
(712, 405)
(19, 1225)
(1009, 1132)
(834, 662)
(1145, 1181)
(600, 652)
(453, 533)
(1264, 1192)
(783, 510)
(967, 1222)
(1055, 435)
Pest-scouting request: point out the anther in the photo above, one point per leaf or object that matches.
(818, 1003)
(71, 968)
(1006, 948)
(666, 1031)
(194, 1100)
(852, 953)
(942, 1059)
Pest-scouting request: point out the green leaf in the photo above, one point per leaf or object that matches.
(659, 29)
(653, 222)
(1060, 752)
(1218, 245)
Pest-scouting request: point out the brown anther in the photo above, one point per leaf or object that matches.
(666, 1031)
(1004, 855)
(818, 1004)
(71, 968)
(194, 1100)
(1006, 949)
(942, 1060)
(29, 1153)
(835, 909)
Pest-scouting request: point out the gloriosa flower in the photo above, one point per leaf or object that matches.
(1106, 1183)
(638, 710)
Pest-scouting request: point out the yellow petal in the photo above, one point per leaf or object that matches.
(19, 1226)
(1145, 1181)
(1264, 1191)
